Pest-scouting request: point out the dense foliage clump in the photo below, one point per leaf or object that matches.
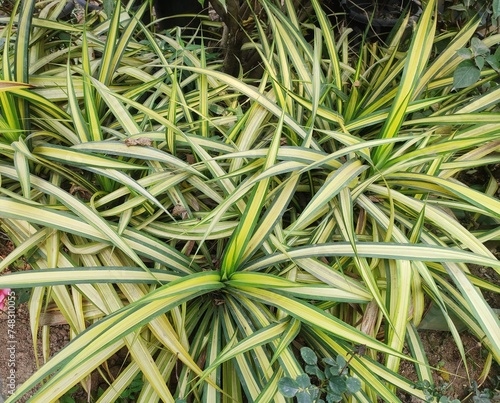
(216, 226)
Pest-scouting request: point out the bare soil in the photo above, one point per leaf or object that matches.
(22, 352)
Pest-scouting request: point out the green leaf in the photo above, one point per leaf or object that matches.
(310, 369)
(497, 54)
(333, 397)
(329, 361)
(479, 62)
(479, 48)
(464, 53)
(303, 381)
(334, 370)
(337, 385)
(309, 356)
(353, 385)
(466, 74)
(493, 61)
(458, 7)
(496, 9)
(314, 391)
(288, 387)
(341, 362)
(314, 370)
(304, 397)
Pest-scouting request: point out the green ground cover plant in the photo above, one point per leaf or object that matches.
(327, 379)
(213, 226)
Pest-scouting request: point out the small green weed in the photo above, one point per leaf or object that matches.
(435, 393)
(477, 56)
(330, 381)
(132, 391)
(482, 396)
(67, 397)
(130, 394)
